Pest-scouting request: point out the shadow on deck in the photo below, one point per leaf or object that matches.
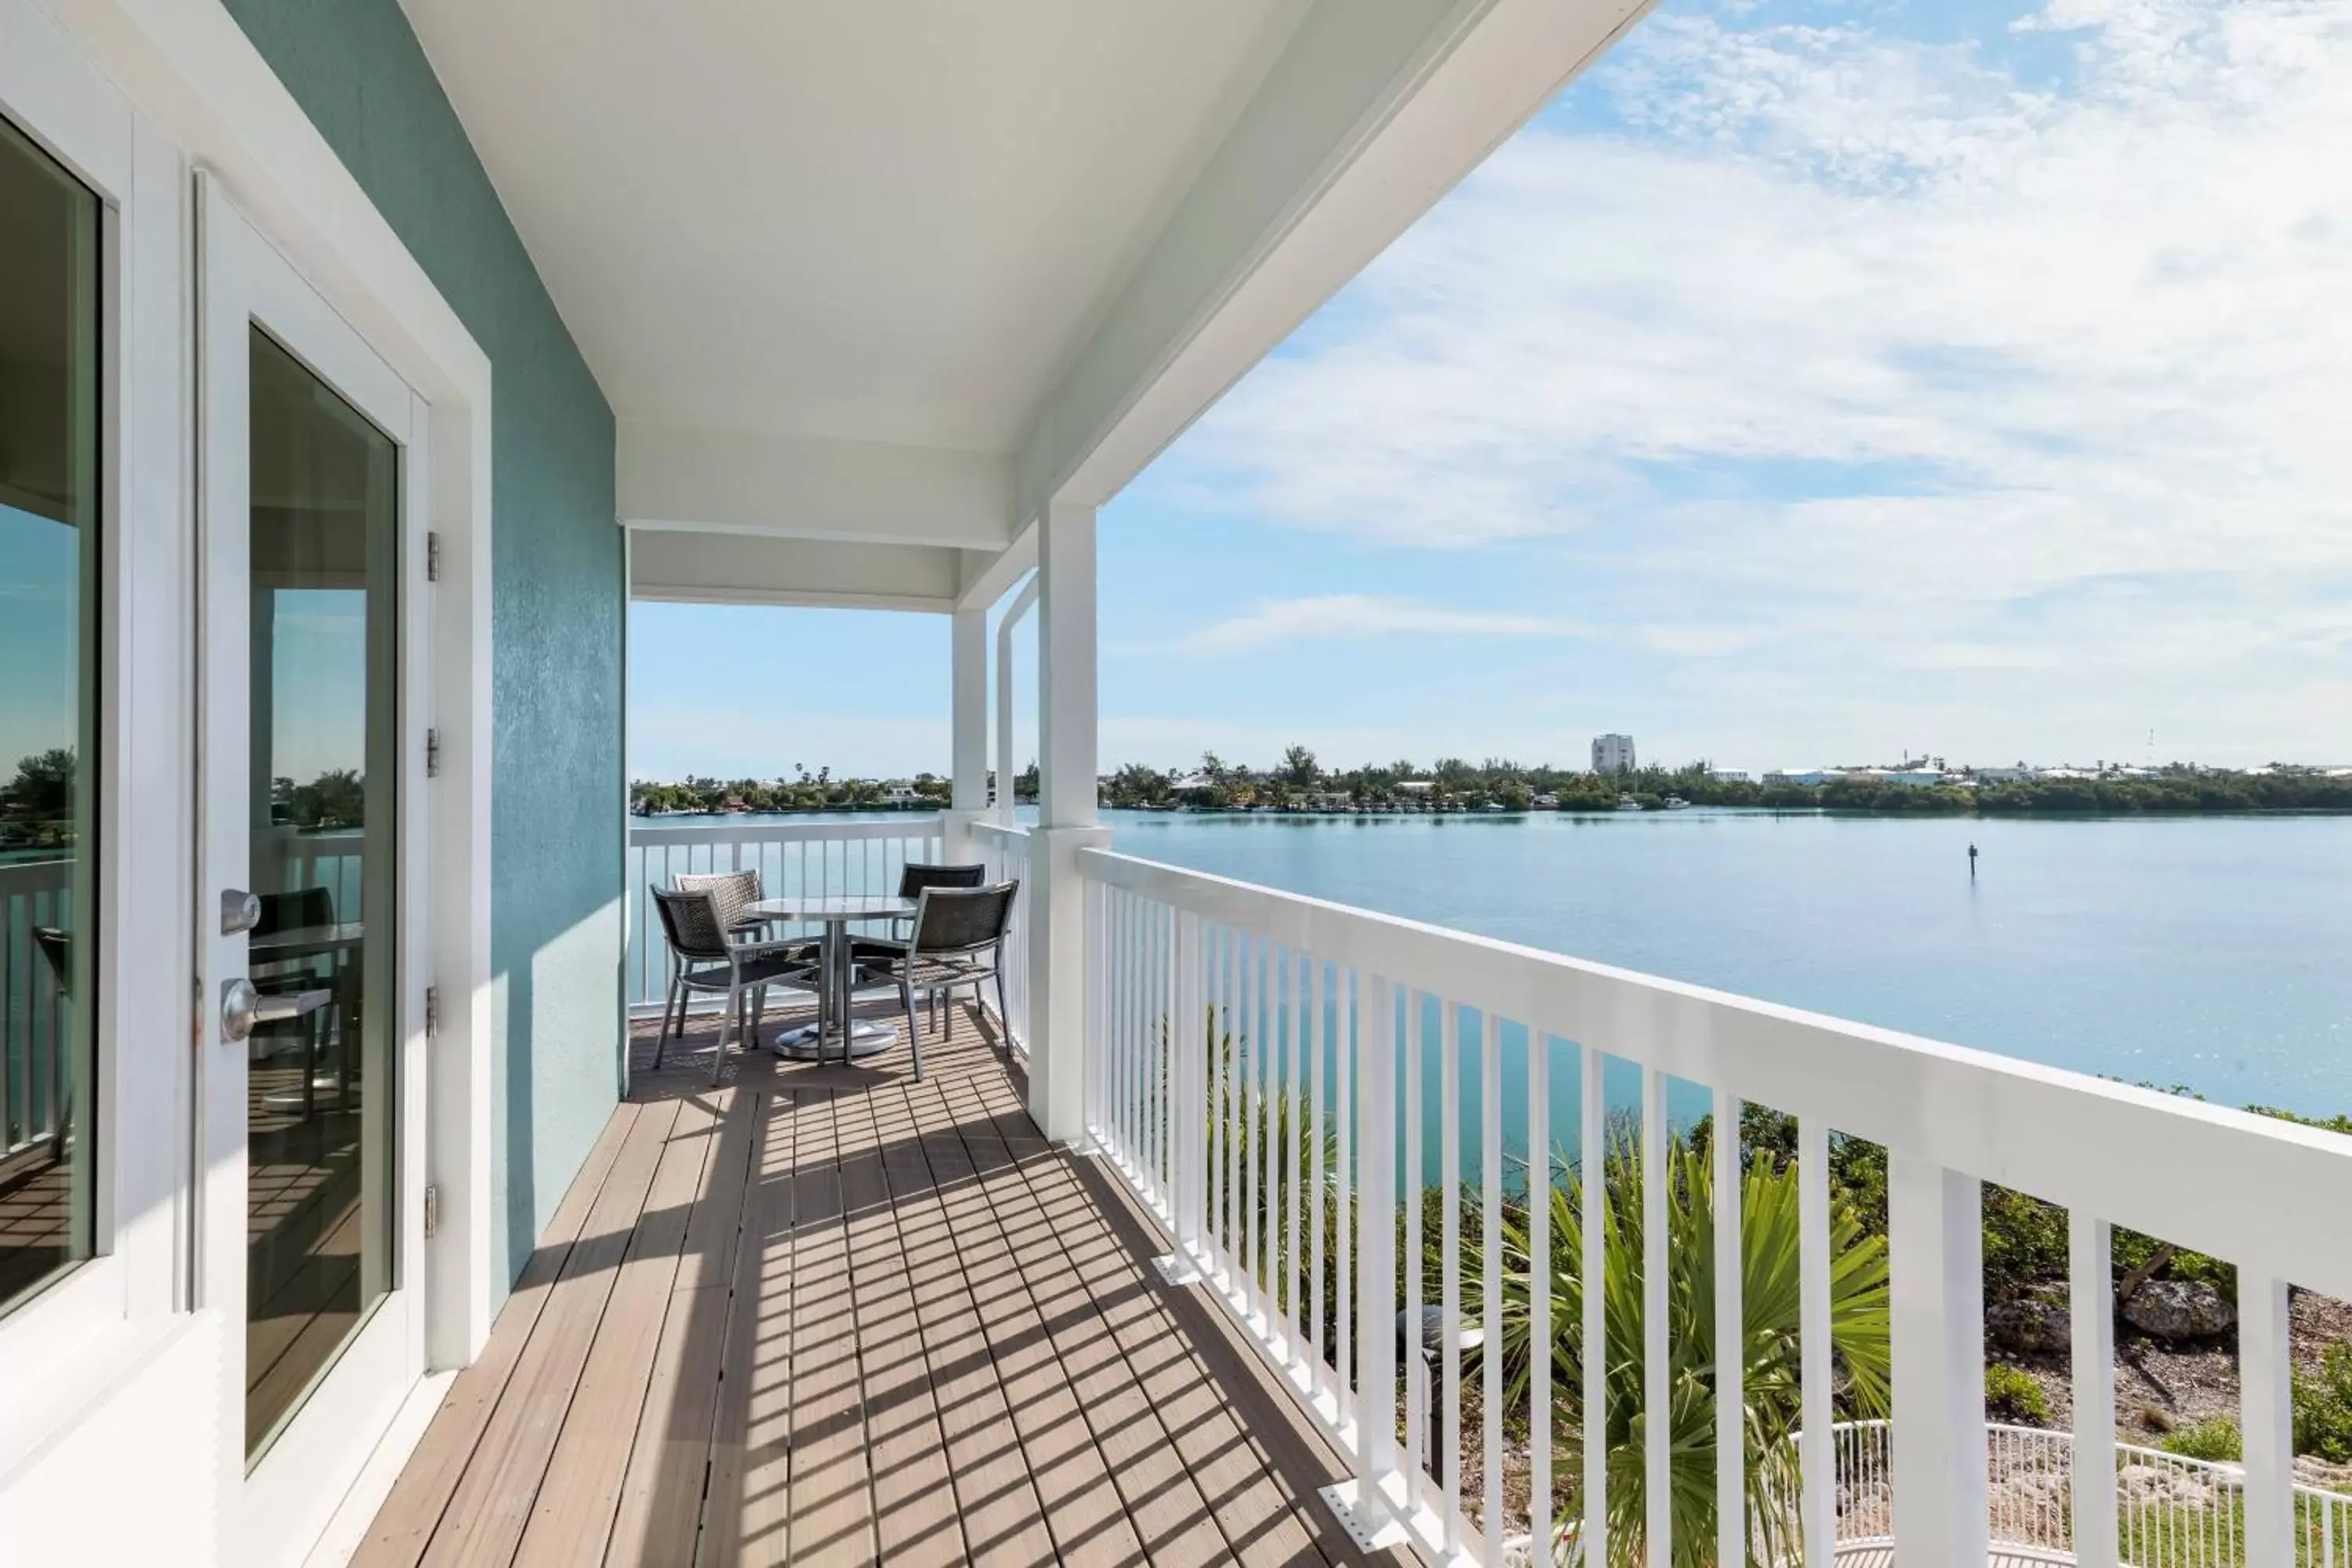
(831, 1315)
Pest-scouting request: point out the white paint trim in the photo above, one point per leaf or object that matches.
(711, 481)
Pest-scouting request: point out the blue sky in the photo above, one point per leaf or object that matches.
(1810, 382)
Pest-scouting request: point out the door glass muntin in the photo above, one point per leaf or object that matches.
(322, 735)
(50, 566)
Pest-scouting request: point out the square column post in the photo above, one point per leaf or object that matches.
(1934, 1233)
(967, 773)
(1066, 820)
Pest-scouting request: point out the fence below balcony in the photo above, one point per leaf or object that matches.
(1273, 1074)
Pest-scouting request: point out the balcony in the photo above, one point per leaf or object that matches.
(827, 1313)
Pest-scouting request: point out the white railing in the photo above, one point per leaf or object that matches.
(1348, 1043)
(34, 1036)
(1006, 851)
(2172, 1511)
(793, 858)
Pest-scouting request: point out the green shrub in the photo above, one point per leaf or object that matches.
(2323, 1407)
(2011, 1395)
(2212, 1439)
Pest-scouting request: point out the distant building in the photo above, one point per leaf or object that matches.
(1612, 754)
(898, 791)
(1727, 775)
(1416, 786)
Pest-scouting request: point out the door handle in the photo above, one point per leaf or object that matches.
(240, 911)
(240, 1009)
(243, 1007)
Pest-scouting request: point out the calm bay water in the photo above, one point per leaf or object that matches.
(2210, 952)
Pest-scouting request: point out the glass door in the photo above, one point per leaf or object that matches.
(310, 1097)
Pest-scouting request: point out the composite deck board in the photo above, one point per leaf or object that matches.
(1083, 1511)
(413, 1511)
(493, 1500)
(828, 1314)
(1207, 1452)
(573, 1520)
(909, 1452)
(660, 1510)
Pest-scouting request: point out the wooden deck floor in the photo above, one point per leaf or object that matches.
(829, 1315)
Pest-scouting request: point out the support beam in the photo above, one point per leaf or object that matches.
(1066, 672)
(1066, 819)
(736, 481)
(679, 567)
(1935, 1226)
(967, 729)
(1013, 613)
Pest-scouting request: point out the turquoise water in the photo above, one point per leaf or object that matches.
(2211, 951)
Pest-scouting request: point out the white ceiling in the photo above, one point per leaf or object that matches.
(868, 222)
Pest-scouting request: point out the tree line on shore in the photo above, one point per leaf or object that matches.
(1300, 784)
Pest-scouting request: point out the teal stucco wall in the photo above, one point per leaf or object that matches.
(559, 595)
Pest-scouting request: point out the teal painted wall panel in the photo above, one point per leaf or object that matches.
(559, 592)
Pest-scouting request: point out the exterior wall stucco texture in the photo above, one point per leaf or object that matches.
(559, 592)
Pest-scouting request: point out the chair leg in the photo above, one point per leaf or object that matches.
(669, 1005)
(759, 1010)
(914, 1035)
(1004, 1014)
(733, 1014)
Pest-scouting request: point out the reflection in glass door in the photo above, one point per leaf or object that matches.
(49, 710)
(320, 1100)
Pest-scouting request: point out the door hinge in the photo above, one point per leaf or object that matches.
(432, 557)
(432, 1210)
(433, 1011)
(432, 753)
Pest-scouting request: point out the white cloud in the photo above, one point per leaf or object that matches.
(1328, 617)
(1847, 340)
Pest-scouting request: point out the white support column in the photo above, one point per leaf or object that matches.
(1935, 1239)
(968, 774)
(1019, 607)
(1066, 819)
(2266, 1418)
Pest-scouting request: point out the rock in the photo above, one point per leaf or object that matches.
(2172, 1483)
(2028, 1327)
(2180, 1309)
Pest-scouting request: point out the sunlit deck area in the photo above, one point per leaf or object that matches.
(833, 1315)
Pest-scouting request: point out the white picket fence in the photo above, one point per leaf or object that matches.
(2172, 1511)
(1334, 1027)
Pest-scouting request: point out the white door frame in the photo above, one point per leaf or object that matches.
(193, 72)
(290, 1492)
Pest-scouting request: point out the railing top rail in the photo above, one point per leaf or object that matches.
(913, 825)
(2241, 1187)
(999, 830)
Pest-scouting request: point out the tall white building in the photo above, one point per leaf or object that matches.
(1612, 754)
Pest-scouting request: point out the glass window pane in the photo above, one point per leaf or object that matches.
(325, 683)
(49, 668)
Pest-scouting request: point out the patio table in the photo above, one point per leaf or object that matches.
(836, 1032)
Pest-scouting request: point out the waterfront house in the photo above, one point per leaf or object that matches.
(352, 1216)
